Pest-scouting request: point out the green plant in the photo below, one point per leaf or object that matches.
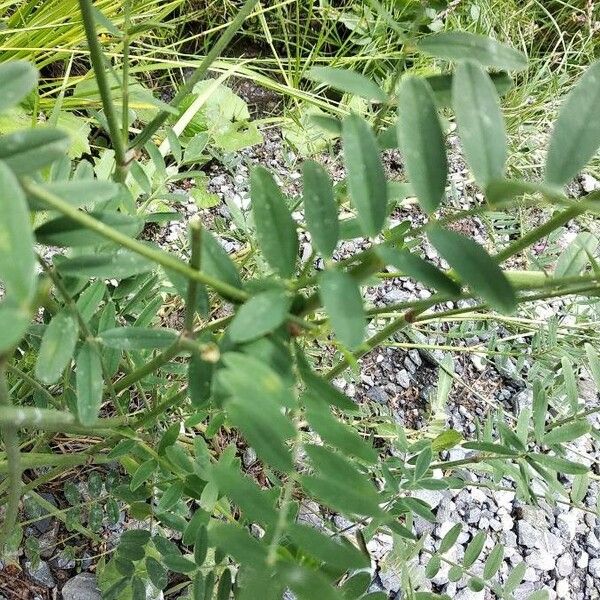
(175, 406)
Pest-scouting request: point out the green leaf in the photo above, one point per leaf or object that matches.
(306, 583)
(115, 265)
(474, 265)
(143, 473)
(349, 82)
(89, 300)
(450, 538)
(13, 324)
(88, 377)
(138, 338)
(493, 561)
(593, 363)
(178, 564)
(57, 347)
(422, 142)
(83, 193)
(365, 176)
(64, 231)
(17, 79)
(460, 45)
(255, 503)
(320, 209)
(237, 542)
(325, 549)
(433, 566)
(480, 122)
(260, 315)
(170, 497)
(28, 150)
(576, 134)
(476, 584)
(455, 573)
(570, 383)
(338, 483)
(576, 255)
(275, 228)
(417, 268)
(540, 409)
(561, 465)
(217, 263)
(441, 86)
(341, 298)
(515, 576)
(423, 462)
(474, 548)
(200, 546)
(500, 190)
(334, 432)
(200, 376)
(224, 587)
(567, 433)
(17, 259)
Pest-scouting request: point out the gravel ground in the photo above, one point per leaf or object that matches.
(560, 545)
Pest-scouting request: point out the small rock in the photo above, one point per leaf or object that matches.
(41, 574)
(528, 536)
(567, 524)
(589, 183)
(432, 497)
(377, 394)
(564, 565)
(403, 378)
(594, 568)
(541, 561)
(562, 589)
(81, 587)
(583, 561)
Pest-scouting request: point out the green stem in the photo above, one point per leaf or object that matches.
(192, 292)
(97, 58)
(151, 128)
(158, 256)
(8, 428)
(125, 81)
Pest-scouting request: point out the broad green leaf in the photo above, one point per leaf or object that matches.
(576, 255)
(450, 538)
(455, 573)
(224, 587)
(275, 228)
(334, 432)
(326, 549)
(493, 561)
(566, 433)
(422, 142)
(88, 377)
(200, 375)
(137, 338)
(500, 190)
(576, 135)
(114, 265)
(416, 506)
(200, 546)
(433, 566)
(28, 150)
(255, 503)
(143, 473)
(474, 265)
(260, 315)
(480, 122)
(200, 519)
(178, 564)
(515, 576)
(17, 79)
(476, 584)
(419, 269)
(561, 465)
(580, 487)
(441, 86)
(341, 298)
(237, 542)
(84, 193)
(320, 209)
(510, 438)
(474, 548)
(338, 483)
(593, 363)
(460, 45)
(13, 324)
(89, 300)
(365, 176)
(422, 463)
(349, 82)
(64, 231)
(217, 263)
(17, 259)
(57, 347)
(306, 583)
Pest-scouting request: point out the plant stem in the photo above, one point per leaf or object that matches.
(8, 429)
(151, 128)
(195, 263)
(158, 256)
(97, 58)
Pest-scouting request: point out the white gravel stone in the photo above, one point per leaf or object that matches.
(540, 560)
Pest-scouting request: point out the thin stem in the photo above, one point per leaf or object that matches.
(195, 263)
(158, 256)
(151, 128)
(97, 58)
(125, 84)
(13, 460)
